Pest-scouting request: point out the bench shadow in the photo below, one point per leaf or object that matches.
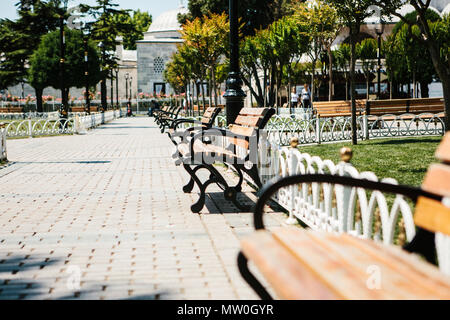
(217, 204)
(61, 162)
(403, 141)
(22, 288)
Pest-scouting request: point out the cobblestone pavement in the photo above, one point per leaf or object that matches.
(103, 216)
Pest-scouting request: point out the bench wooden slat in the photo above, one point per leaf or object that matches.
(443, 150)
(339, 265)
(328, 266)
(432, 215)
(249, 121)
(280, 268)
(254, 111)
(437, 180)
(397, 273)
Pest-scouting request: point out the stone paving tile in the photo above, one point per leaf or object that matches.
(107, 208)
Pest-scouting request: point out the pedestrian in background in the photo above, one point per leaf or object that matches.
(306, 97)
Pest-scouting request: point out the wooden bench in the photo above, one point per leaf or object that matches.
(161, 112)
(242, 138)
(83, 109)
(303, 264)
(207, 121)
(339, 108)
(167, 119)
(11, 110)
(404, 106)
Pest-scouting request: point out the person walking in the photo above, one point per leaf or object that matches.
(294, 98)
(306, 97)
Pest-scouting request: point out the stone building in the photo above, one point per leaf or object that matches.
(155, 50)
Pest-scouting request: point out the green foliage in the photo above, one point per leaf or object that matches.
(107, 28)
(19, 39)
(45, 66)
(139, 22)
(255, 14)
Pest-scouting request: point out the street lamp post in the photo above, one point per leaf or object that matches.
(130, 96)
(234, 94)
(112, 88)
(101, 45)
(62, 44)
(379, 30)
(86, 31)
(117, 87)
(126, 85)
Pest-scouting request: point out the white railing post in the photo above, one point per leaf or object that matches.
(292, 165)
(30, 128)
(3, 155)
(318, 130)
(366, 127)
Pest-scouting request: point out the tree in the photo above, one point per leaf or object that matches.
(139, 22)
(19, 39)
(342, 56)
(255, 14)
(353, 13)
(208, 38)
(106, 30)
(366, 51)
(431, 36)
(321, 25)
(44, 63)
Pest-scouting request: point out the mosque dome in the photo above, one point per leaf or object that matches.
(167, 21)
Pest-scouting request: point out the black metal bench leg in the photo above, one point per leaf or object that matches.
(250, 278)
(189, 186)
(196, 207)
(253, 173)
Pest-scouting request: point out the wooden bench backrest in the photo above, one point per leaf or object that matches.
(248, 122)
(209, 115)
(11, 110)
(431, 214)
(334, 108)
(399, 106)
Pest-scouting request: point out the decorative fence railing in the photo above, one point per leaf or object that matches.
(308, 130)
(334, 208)
(55, 126)
(3, 155)
(317, 130)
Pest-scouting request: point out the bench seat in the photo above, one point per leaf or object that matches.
(305, 264)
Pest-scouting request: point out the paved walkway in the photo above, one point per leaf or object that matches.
(103, 216)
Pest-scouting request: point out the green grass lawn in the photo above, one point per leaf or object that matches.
(404, 159)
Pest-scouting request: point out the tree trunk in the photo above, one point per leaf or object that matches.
(424, 92)
(367, 86)
(346, 88)
(313, 75)
(352, 87)
(39, 106)
(203, 97)
(330, 74)
(211, 89)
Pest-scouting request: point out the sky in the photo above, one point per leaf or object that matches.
(154, 7)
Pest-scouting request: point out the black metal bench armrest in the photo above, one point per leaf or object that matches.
(179, 121)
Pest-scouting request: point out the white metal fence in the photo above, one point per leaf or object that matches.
(334, 208)
(55, 126)
(317, 130)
